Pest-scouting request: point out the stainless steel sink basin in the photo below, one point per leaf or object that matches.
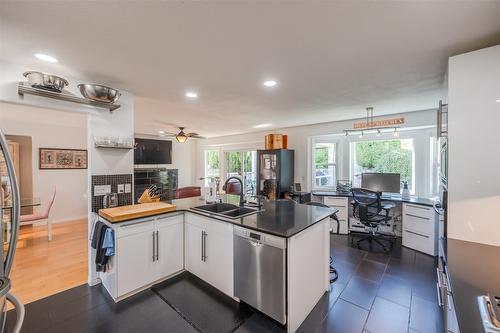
(218, 207)
(239, 212)
(226, 210)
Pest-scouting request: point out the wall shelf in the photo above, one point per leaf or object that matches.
(113, 142)
(97, 145)
(23, 88)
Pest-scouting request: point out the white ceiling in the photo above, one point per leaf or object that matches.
(331, 59)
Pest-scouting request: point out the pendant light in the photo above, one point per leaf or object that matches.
(370, 126)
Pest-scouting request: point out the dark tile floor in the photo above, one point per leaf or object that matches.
(375, 292)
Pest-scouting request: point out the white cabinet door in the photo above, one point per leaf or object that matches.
(134, 255)
(169, 248)
(219, 256)
(193, 251)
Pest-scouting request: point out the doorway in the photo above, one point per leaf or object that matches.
(43, 267)
(243, 164)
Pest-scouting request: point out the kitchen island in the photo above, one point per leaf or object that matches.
(212, 246)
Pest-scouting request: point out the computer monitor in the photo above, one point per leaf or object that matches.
(381, 182)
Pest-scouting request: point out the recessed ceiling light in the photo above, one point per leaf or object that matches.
(262, 125)
(191, 94)
(270, 83)
(46, 57)
(498, 100)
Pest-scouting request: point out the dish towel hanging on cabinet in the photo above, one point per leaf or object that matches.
(103, 243)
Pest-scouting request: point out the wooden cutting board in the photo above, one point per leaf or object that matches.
(130, 212)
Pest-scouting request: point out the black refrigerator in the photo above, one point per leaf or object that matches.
(275, 172)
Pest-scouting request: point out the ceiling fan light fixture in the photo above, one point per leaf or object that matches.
(181, 137)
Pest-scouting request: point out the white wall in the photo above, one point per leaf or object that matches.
(99, 122)
(299, 138)
(52, 129)
(474, 154)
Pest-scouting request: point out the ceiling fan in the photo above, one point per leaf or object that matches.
(181, 137)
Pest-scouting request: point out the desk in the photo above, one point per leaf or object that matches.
(396, 198)
(420, 222)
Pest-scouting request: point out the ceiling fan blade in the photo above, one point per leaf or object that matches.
(167, 134)
(195, 135)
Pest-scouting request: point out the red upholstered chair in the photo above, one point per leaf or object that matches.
(233, 187)
(188, 192)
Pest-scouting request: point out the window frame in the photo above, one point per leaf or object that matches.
(241, 153)
(324, 140)
(386, 137)
(205, 153)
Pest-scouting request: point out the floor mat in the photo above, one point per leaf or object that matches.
(204, 307)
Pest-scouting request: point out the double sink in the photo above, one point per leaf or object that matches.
(226, 210)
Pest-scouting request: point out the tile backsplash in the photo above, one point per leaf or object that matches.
(113, 181)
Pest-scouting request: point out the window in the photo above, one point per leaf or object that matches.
(384, 156)
(212, 165)
(243, 164)
(324, 164)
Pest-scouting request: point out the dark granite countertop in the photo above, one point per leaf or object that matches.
(474, 270)
(397, 198)
(283, 218)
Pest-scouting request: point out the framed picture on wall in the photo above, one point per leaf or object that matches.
(57, 158)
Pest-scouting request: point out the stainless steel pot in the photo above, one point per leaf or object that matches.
(45, 81)
(96, 92)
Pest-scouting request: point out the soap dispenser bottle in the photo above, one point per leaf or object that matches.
(405, 194)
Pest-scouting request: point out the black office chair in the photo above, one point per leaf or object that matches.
(368, 208)
(333, 271)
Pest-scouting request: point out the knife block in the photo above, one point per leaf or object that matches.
(145, 197)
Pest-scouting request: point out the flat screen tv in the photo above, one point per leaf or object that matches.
(149, 151)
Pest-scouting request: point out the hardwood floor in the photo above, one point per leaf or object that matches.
(42, 268)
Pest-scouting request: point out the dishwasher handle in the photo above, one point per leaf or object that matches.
(255, 243)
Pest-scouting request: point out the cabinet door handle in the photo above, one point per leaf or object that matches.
(416, 233)
(154, 241)
(157, 246)
(418, 206)
(205, 246)
(418, 217)
(440, 301)
(202, 241)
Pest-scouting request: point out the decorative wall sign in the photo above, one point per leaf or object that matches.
(56, 158)
(380, 123)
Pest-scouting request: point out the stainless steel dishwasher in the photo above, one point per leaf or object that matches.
(260, 271)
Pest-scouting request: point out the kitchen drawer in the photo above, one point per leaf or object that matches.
(208, 224)
(419, 210)
(134, 227)
(170, 219)
(421, 224)
(337, 202)
(418, 241)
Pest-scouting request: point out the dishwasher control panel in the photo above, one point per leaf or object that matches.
(261, 237)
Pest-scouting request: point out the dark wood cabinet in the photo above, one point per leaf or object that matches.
(275, 172)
